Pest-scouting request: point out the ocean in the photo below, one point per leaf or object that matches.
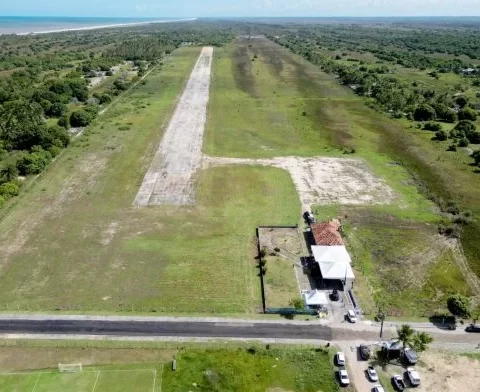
(30, 24)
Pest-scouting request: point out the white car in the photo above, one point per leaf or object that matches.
(372, 374)
(352, 317)
(340, 358)
(413, 376)
(343, 376)
(378, 388)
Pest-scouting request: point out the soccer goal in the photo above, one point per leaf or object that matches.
(70, 367)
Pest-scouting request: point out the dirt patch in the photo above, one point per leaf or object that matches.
(169, 180)
(325, 180)
(441, 371)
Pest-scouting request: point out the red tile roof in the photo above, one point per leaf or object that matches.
(326, 233)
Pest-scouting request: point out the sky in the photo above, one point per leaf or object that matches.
(249, 8)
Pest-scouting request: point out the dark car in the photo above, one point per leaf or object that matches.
(473, 328)
(335, 296)
(410, 356)
(364, 352)
(398, 383)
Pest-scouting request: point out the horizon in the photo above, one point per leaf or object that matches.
(241, 8)
(245, 16)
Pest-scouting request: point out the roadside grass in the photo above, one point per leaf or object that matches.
(89, 249)
(257, 370)
(405, 266)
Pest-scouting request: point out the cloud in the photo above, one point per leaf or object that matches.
(141, 7)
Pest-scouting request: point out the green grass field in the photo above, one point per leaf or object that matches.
(235, 366)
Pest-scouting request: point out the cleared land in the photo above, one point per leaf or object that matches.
(325, 181)
(169, 180)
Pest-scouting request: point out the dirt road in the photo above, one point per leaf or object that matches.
(169, 180)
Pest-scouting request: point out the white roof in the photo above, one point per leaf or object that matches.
(335, 270)
(335, 253)
(315, 297)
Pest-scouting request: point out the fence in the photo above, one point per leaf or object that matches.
(291, 311)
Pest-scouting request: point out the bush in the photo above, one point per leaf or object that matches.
(441, 135)
(461, 101)
(452, 147)
(463, 142)
(56, 110)
(80, 118)
(35, 162)
(2, 201)
(467, 114)
(8, 190)
(105, 98)
(432, 126)
(459, 305)
(297, 303)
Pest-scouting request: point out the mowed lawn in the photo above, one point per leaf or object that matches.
(74, 241)
(248, 368)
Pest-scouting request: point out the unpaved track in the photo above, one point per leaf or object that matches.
(169, 180)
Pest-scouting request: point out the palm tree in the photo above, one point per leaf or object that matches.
(420, 341)
(405, 334)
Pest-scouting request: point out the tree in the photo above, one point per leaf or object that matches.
(459, 305)
(464, 127)
(420, 341)
(424, 113)
(461, 101)
(57, 109)
(405, 334)
(8, 190)
(80, 118)
(467, 114)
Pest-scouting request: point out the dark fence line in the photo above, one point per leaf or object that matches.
(260, 268)
(289, 311)
(277, 227)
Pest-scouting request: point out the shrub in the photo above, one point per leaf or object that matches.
(467, 114)
(459, 305)
(2, 201)
(80, 118)
(105, 98)
(463, 142)
(432, 126)
(461, 101)
(441, 135)
(34, 162)
(297, 303)
(452, 147)
(8, 190)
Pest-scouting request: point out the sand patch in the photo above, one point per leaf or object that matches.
(323, 181)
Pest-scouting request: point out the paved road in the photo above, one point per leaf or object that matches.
(179, 329)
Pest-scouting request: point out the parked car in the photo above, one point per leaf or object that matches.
(335, 296)
(473, 328)
(398, 383)
(413, 376)
(343, 376)
(340, 358)
(410, 356)
(364, 352)
(372, 374)
(352, 317)
(378, 388)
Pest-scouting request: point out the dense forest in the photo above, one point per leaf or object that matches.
(45, 93)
